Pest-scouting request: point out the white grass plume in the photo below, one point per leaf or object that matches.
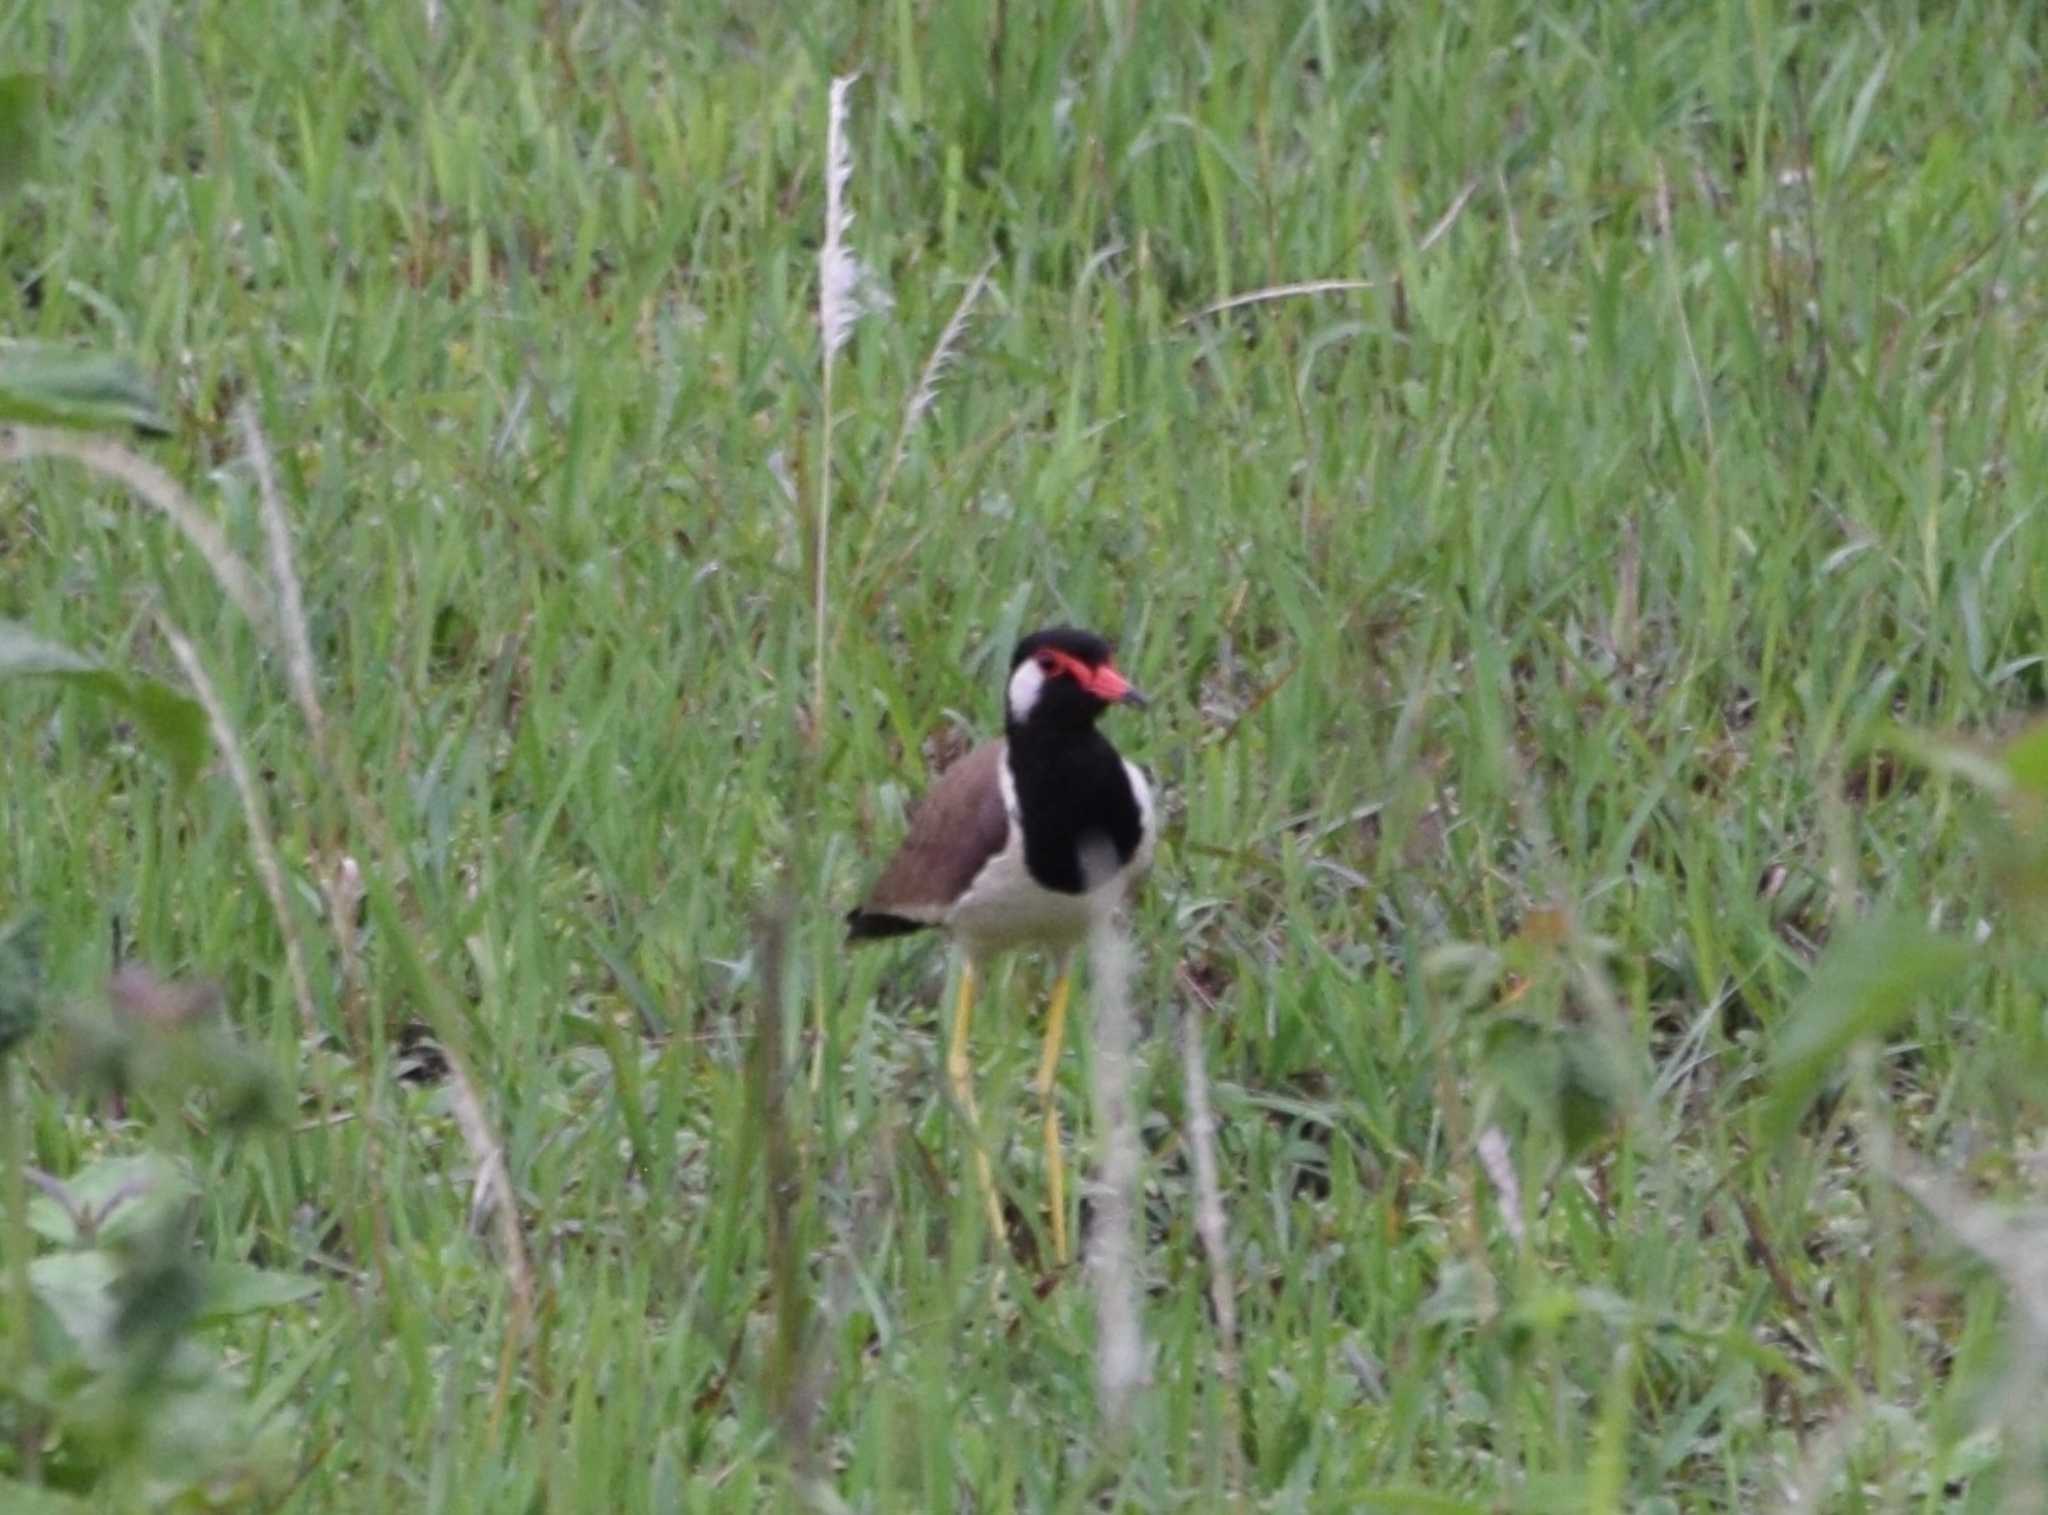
(845, 293)
(941, 357)
(919, 405)
(839, 304)
(928, 380)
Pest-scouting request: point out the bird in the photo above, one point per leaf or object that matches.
(1024, 842)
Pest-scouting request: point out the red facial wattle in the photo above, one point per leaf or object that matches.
(1100, 679)
(1111, 687)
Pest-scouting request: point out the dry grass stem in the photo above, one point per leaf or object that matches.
(1278, 292)
(1443, 224)
(491, 1197)
(1210, 1222)
(261, 844)
(1275, 292)
(158, 488)
(284, 579)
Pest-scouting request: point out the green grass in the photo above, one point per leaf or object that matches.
(1507, 622)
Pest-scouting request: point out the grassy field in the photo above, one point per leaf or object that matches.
(1573, 643)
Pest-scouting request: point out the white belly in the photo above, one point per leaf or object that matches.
(1006, 907)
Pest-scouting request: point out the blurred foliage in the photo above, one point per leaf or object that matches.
(21, 965)
(122, 1400)
(44, 385)
(21, 109)
(1870, 980)
(172, 723)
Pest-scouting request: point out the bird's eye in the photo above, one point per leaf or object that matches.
(1047, 663)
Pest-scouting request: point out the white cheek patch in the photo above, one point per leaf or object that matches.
(1025, 685)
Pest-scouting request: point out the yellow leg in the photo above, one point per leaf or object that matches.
(960, 1070)
(1048, 1092)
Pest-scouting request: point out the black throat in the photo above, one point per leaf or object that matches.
(1073, 793)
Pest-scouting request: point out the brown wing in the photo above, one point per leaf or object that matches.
(957, 827)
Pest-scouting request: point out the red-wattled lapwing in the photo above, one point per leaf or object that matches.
(1021, 843)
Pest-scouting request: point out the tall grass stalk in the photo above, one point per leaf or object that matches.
(1112, 1243)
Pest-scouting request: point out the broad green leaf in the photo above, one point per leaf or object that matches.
(242, 1289)
(21, 112)
(77, 1289)
(51, 1221)
(113, 1198)
(1595, 1090)
(1863, 987)
(173, 723)
(44, 385)
(23, 653)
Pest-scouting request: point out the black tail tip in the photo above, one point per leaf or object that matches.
(872, 925)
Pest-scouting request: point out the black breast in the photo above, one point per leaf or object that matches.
(1072, 792)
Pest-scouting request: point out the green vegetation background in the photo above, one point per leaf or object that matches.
(1523, 621)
